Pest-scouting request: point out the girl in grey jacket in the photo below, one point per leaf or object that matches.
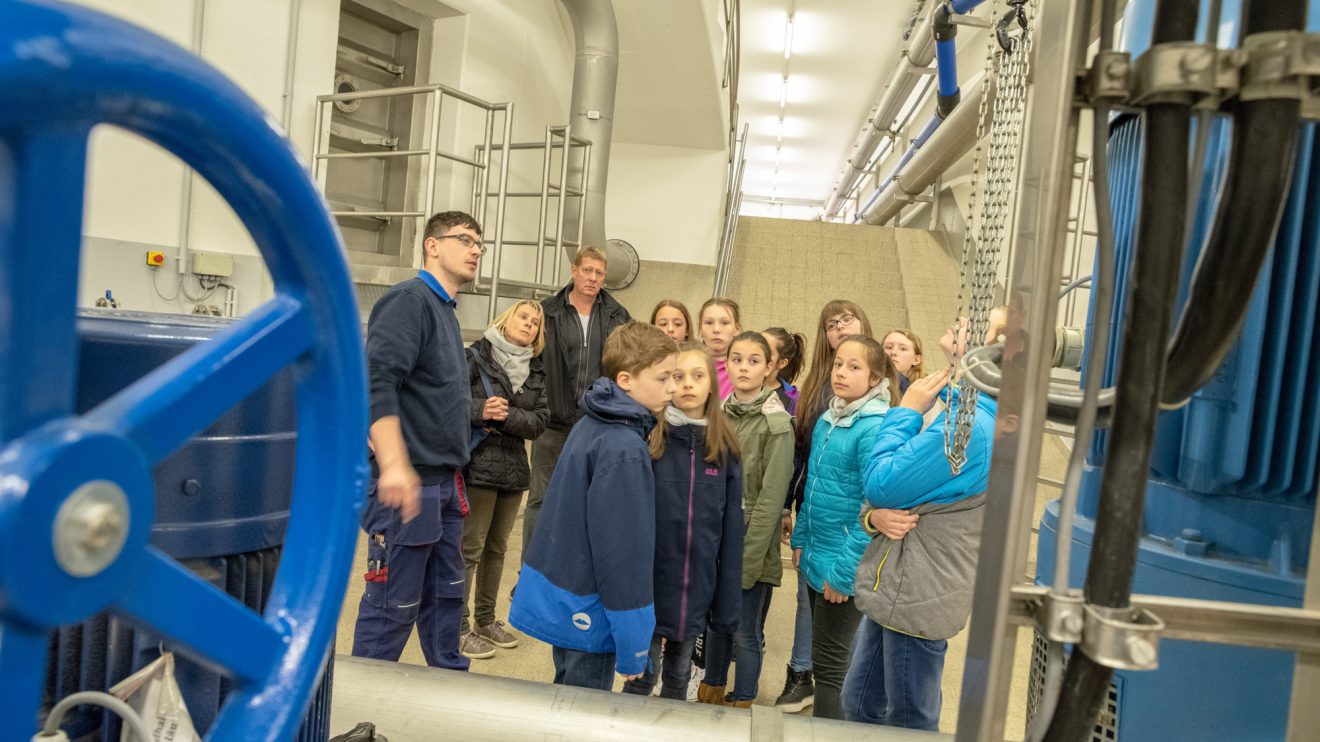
(914, 584)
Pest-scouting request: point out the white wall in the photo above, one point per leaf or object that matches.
(135, 191)
(666, 201)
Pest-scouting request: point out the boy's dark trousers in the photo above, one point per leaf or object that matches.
(583, 669)
(676, 672)
(414, 576)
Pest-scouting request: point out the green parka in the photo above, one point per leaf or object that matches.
(765, 435)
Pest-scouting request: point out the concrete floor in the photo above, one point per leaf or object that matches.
(531, 659)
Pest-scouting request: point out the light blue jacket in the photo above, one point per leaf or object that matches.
(829, 529)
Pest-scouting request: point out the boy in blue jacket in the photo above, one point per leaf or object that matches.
(586, 587)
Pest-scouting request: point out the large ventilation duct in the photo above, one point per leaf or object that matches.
(591, 116)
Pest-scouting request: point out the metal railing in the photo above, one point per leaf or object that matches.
(556, 138)
(436, 94)
(732, 206)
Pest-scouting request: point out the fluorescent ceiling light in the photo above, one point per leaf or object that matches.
(779, 134)
(783, 93)
(788, 38)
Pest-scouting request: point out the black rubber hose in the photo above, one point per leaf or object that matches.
(1250, 208)
(1153, 285)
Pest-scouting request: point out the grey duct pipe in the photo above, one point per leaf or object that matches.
(591, 116)
(953, 139)
(918, 54)
(409, 702)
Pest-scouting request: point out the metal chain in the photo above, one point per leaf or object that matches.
(986, 236)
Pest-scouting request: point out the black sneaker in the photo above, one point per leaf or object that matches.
(799, 692)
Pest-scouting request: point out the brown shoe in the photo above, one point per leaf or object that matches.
(740, 704)
(712, 694)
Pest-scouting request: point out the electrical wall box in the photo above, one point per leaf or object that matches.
(210, 264)
(155, 259)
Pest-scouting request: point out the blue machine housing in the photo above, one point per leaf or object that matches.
(222, 504)
(1231, 498)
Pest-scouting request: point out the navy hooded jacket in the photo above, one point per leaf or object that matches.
(698, 538)
(587, 580)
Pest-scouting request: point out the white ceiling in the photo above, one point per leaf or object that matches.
(842, 52)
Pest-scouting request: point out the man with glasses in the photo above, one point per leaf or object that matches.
(577, 321)
(420, 396)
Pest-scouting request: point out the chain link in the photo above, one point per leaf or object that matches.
(990, 212)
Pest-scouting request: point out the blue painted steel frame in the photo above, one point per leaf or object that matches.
(64, 70)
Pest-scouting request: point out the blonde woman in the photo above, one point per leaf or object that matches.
(509, 408)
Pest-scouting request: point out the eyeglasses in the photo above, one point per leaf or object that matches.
(465, 241)
(846, 320)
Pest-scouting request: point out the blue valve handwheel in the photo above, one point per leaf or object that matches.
(76, 496)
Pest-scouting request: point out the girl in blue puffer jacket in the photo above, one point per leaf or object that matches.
(828, 540)
(698, 524)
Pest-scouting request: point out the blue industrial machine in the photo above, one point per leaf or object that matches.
(1232, 490)
(112, 513)
(222, 505)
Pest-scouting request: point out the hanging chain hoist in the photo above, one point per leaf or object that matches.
(991, 206)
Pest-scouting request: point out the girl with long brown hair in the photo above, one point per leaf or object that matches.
(838, 319)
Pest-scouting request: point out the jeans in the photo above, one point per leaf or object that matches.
(545, 454)
(486, 530)
(676, 672)
(747, 644)
(583, 669)
(800, 659)
(833, 627)
(895, 679)
(418, 570)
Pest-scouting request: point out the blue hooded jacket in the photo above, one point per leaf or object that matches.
(699, 537)
(908, 468)
(587, 580)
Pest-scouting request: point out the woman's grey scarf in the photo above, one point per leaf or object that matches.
(516, 360)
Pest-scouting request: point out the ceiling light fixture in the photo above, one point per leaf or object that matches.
(783, 93)
(788, 37)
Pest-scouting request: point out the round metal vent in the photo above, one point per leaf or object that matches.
(346, 84)
(623, 264)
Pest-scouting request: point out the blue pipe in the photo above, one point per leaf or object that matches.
(946, 64)
(921, 139)
(964, 6)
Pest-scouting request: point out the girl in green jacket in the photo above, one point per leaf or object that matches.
(765, 435)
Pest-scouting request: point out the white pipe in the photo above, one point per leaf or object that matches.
(916, 56)
(410, 702)
(290, 63)
(185, 217)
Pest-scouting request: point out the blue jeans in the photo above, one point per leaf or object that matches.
(895, 679)
(583, 669)
(800, 659)
(746, 642)
(676, 670)
(415, 576)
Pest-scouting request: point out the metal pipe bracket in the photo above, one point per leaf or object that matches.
(1108, 78)
(1062, 617)
(1282, 65)
(1185, 72)
(1122, 638)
